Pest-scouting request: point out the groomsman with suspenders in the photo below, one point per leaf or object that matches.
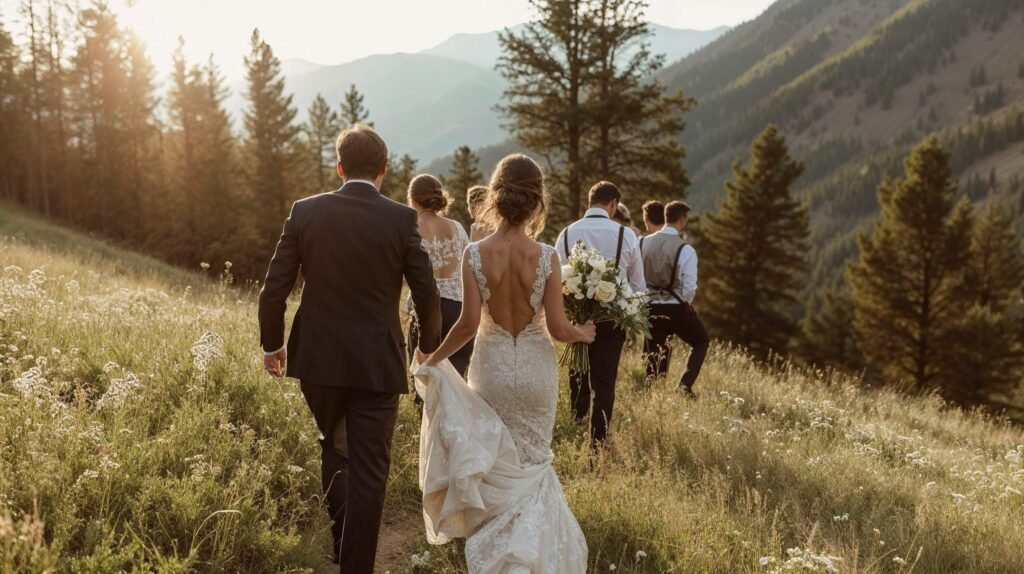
(670, 267)
(619, 244)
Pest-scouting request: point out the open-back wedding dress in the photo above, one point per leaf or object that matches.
(485, 448)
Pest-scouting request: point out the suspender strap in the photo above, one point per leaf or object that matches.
(670, 290)
(618, 248)
(642, 244)
(565, 246)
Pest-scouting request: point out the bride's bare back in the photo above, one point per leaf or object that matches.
(510, 266)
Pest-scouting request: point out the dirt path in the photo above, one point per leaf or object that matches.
(398, 537)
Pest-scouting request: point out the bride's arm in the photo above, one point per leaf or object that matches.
(554, 310)
(465, 328)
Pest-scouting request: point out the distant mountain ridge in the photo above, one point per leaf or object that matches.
(428, 103)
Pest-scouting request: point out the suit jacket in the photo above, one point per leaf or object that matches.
(353, 247)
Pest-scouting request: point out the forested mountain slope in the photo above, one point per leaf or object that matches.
(854, 84)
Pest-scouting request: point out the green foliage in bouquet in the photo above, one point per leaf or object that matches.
(595, 289)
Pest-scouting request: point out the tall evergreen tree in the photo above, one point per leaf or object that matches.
(115, 125)
(753, 251)
(11, 124)
(352, 109)
(906, 280)
(204, 169)
(465, 173)
(545, 67)
(990, 353)
(828, 337)
(580, 93)
(322, 129)
(635, 141)
(271, 139)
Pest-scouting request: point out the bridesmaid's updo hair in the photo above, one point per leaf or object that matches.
(517, 194)
(427, 192)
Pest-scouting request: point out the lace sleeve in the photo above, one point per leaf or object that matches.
(543, 273)
(473, 252)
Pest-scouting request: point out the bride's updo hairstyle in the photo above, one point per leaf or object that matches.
(427, 192)
(517, 195)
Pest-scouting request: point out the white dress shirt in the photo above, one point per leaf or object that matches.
(347, 181)
(686, 275)
(596, 230)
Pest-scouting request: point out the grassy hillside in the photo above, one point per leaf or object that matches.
(138, 433)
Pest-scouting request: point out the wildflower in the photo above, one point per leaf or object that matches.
(611, 567)
(421, 560)
(227, 265)
(841, 518)
(738, 401)
(294, 469)
(899, 560)
(766, 560)
(640, 555)
(204, 266)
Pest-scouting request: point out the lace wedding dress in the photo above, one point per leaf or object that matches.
(485, 448)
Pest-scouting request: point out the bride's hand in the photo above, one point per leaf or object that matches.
(421, 357)
(588, 332)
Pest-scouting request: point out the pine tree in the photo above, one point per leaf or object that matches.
(828, 335)
(545, 67)
(579, 92)
(11, 123)
(271, 139)
(753, 251)
(465, 173)
(635, 140)
(906, 279)
(322, 129)
(990, 355)
(396, 181)
(352, 110)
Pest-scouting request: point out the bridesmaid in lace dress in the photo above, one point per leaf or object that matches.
(444, 240)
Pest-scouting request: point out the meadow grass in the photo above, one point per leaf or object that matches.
(138, 433)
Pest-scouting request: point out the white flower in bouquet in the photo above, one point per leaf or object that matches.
(598, 263)
(605, 291)
(568, 272)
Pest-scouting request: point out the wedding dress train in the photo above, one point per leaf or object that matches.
(485, 449)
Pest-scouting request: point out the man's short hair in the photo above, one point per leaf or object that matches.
(362, 153)
(675, 211)
(603, 193)
(654, 211)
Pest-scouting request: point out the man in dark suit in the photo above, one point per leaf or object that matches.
(353, 248)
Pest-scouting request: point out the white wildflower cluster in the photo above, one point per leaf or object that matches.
(800, 560)
(421, 560)
(120, 388)
(205, 351)
(200, 469)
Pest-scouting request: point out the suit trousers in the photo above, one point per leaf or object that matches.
(356, 428)
(598, 383)
(683, 322)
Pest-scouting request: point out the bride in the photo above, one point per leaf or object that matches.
(485, 448)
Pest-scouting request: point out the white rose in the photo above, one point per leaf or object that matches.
(605, 291)
(568, 271)
(598, 263)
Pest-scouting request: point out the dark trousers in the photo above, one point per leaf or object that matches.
(450, 311)
(683, 322)
(355, 450)
(599, 382)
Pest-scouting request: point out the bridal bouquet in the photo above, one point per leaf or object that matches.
(594, 289)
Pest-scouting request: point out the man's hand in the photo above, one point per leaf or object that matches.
(274, 364)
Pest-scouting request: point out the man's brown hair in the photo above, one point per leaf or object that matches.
(675, 211)
(603, 193)
(654, 211)
(362, 153)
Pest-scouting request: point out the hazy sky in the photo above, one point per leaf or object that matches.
(336, 31)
